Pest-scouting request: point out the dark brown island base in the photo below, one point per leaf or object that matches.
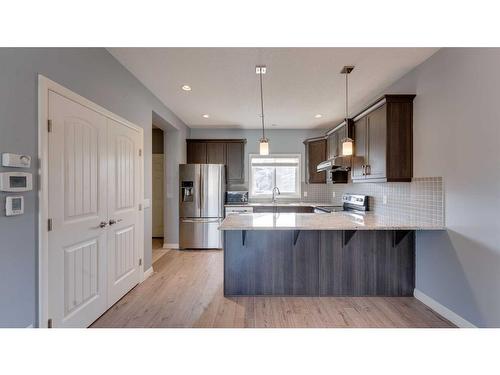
(319, 262)
(310, 254)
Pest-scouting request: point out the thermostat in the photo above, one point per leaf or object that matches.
(14, 206)
(15, 181)
(16, 160)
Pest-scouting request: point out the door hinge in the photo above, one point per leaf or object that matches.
(49, 323)
(49, 126)
(140, 207)
(140, 261)
(49, 225)
(140, 152)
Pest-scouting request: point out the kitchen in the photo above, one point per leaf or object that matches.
(331, 210)
(362, 270)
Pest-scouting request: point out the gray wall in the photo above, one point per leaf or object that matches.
(96, 75)
(457, 136)
(175, 153)
(280, 141)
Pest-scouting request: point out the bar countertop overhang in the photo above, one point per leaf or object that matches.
(331, 221)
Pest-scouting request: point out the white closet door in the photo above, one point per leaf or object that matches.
(77, 205)
(123, 209)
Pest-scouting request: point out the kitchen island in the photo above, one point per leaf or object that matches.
(307, 254)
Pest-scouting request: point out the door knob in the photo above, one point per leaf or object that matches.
(102, 224)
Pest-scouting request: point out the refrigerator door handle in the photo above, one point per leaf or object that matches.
(201, 189)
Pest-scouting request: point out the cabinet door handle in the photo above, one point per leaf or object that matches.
(368, 169)
(364, 170)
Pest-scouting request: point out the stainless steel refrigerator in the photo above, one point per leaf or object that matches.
(201, 205)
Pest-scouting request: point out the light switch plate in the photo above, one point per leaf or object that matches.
(147, 203)
(333, 194)
(384, 199)
(305, 193)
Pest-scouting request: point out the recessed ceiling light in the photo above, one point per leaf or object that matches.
(186, 87)
(319, 115)
(205, 116)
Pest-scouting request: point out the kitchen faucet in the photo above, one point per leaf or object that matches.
(275, 189)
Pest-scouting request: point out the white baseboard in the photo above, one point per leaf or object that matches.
(442, 310)
(170, 245)
(147, 273)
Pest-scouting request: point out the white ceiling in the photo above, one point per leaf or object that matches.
(300, 82)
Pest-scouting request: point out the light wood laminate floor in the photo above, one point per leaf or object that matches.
(186, 291)
(157, 248)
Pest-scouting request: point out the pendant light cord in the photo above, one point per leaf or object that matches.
(346, 96)
(261, 105)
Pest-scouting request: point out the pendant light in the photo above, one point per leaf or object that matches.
(347, 143)
(263, 142)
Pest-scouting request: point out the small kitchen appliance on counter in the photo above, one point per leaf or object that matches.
(236, 198)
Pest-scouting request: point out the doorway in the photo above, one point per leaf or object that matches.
(158, 187)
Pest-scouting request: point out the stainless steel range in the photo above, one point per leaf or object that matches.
(350, 202)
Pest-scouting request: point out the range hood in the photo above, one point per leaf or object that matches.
(336, 163)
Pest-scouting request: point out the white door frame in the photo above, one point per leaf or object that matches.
(44, 86)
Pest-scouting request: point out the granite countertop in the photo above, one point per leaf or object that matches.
(330, 221)
(280, 204)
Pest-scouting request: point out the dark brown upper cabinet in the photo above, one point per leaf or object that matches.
(216, 153)
(383, 141)
(316, 152)
(235, 159)
(230, 152)
(196, 153)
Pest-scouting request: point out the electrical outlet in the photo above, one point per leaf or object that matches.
(305, 193)
(333, 194)
(384, 199)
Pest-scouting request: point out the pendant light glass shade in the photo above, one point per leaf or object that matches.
(264, 146)
(347, 147)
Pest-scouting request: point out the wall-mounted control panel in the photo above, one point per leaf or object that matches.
(14, 205)
(16, 181)
(16, 160)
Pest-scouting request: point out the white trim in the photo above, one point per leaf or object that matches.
(170, 245)
(44, 86)
(147, 274)
(442, 310)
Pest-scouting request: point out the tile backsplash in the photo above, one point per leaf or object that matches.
(420, 200)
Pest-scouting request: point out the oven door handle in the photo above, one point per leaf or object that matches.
(200, 221)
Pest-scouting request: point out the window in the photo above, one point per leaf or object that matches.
(269, 171)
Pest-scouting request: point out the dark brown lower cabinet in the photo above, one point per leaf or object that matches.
(326, 263)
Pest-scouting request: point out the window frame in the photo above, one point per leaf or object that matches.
(298, 182)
